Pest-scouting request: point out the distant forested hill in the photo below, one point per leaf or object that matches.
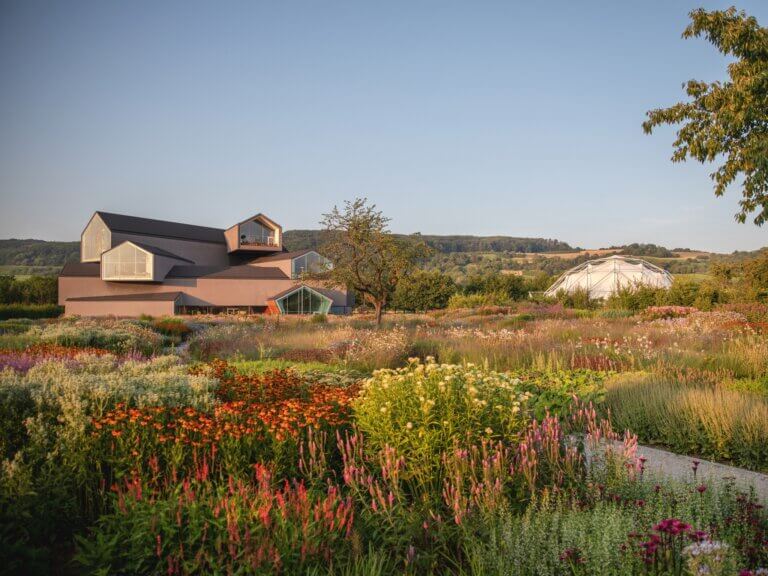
(37, 252)
(313, 239)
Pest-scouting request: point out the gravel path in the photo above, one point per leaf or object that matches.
(663, 463)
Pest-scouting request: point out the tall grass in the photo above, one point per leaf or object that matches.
(698, 419)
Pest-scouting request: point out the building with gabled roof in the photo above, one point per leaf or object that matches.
(131, 266)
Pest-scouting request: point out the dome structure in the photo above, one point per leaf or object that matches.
(606, 276)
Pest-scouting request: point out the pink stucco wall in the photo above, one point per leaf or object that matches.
(197, 291)
(120, 309)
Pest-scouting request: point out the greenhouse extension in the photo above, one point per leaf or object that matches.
(606, 276)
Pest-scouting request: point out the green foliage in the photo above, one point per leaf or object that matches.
(314, 239)
(635, 298)
(50, 473)
(645, 250)
(727, 119)
(113, 335)
(511, 285)
(713, 422)
(366, 257)
(578, 298)
(32, 311)
(38, 252)
(423, 410)
(32, 290)
(478, 300)
(554, 537)
(172, 327)
(423, 291)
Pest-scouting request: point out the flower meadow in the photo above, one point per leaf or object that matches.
(331, 448)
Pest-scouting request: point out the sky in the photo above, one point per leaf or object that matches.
(474, 117)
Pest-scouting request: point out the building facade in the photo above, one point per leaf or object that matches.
(131, 266)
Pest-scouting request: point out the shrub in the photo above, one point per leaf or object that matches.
(423, 291)
(172, 327)
(318, 319)
(578, 298)
(635, 298)
(225, 340)
(32, 290)
(115, 335)
(422, 410)
(8, 311)
(479, 300)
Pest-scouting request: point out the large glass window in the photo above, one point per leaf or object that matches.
(304, 301)
(256, 234)
(95, 241)
(309, 263)
(126, 262)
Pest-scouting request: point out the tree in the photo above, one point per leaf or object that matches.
(366, 257)
(511, 285)
(755, 277)
(423, 291)
(727, 119)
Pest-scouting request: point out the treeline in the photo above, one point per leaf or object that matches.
(433, 290)
(313, 240)
(644, 250)
(15, 252)
(32, 290)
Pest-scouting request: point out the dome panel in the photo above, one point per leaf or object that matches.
(606, 276)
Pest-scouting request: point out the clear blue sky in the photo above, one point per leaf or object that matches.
(514, 118)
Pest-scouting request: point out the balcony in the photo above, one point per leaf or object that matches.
(253, 241)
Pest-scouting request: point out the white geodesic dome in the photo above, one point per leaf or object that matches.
(606, 276)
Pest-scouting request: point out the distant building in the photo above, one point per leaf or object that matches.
(603, 277)
(131, 266)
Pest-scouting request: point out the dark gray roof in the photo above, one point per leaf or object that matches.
(160, 251)
(81, 269)
(323, 291)
(228, 272)
(151, 227)
(282, 256)
(143, 297)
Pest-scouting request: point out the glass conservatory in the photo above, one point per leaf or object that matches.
(303, 300)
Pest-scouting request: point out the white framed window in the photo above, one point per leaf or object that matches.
(126, 262)
(309, 263)
(95, 241)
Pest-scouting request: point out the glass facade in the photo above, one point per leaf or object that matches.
(96, 240)
(126, 262)
(304, 301)
(255, 233)
(311, 262)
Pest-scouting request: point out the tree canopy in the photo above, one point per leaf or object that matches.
(727, 120)
(366, 257)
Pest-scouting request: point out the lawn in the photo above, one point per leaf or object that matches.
(444, 443)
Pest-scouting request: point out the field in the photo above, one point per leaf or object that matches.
(444, 443)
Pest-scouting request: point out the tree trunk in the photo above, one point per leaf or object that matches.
(379, 306)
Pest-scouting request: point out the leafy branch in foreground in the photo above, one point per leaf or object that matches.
(727, 120)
